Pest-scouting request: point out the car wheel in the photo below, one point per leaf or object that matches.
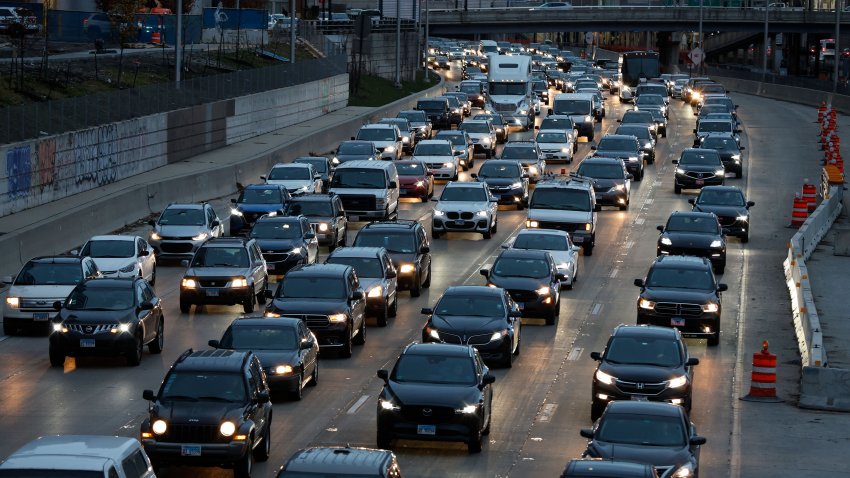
(248, 305)
(134, 356)
(298, 393)
(382, 315)
(520, 205)
(346, 350)
(624, 207)
(639, 175)
(314, 378)
(508, 361)
(474, 443)
(393, 310)
(436, 234)
(427, 282)
(714, 340)
(587, 250)
(596, 410)
(719, 268)
(262, 453)
(677, 189)
(739, 173)
(488, 234)
(384, 441)
(9, 329)
(245, 466)
(486, 430)
(570, 285)
(153, 276)
(745, 237)
(155, 347)
(57, 357)
(416, 287)
(454, 178)
(360, 338)
(425, 197)
(261, 295)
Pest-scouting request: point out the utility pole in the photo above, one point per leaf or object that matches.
(699, 43)
(766, 40)
(398, 43)
(425, 57)
(292, 26)
(178, 45)
(837, 48)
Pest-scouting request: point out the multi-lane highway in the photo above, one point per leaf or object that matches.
(540, 404)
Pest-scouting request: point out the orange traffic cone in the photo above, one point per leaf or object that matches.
(800, 211)
(763, 380)
(810, 196)
(156, 38)
(821, 111)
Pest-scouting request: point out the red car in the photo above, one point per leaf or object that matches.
(416, 181)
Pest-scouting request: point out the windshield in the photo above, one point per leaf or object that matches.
(376, 134)
(438, 369)
(636, 67)
(721, 198)
(712, 126)
(691, 224)
(644, 351)
(433, 149)
(352, 149)
(359, 178)
(712, 109)
(515, 267)
(410, 169)
(475, 127)
(36, 273)
(699, 158)
(571, 107)
(638, 117)
(719, 143)
(519, 152)
(648, 430)
(364, 266)
(470, 305)
(431, 105)
(684, 278)
(539, 85)
(257, 337)
(551, 138)
(713, 89)
(289, 173)
(275, 230)
(220, 257)
(109, 248)
(616, 144)
(653, 90)
(310, 209)
(557, 124)
(636, 131)
(470, 89)
(647, 99)
(413, 116)
(494, 120)
(100, 299)
(544, 242)
(403, 243)
(601, 171)
(507, 89)
(464, 194)
(489, 170)
(182, 217)
(312, 288)
(320, 165)
(454, 138)
(262, 196)
(203, 386)
(561, 198)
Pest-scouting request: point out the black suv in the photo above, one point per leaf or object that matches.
(681, 292)
(408, 245)
(506, 180)
(329, 299)
(436, 392)
(341, 461)
(438, 111)
(612, 183)
(624, 147)
(225, 271)
(286, 242)
(697, 168)
(377, 275)
(108, 317)
(326, 214)
(643, 363)
(693, 234)
(731, 207)
(729, 149)
(532, 280)
(212, 409)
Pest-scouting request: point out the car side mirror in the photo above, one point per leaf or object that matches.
(473, 176)
(722, 287)
(309, 235)
(488, 379)
(214, 344)
(393, 185)
(146, 305)
(148, 395)
(737, 131)
(741, 148)
(427, 311)
(697, 440)
(357, 295)
(750, 204)
(639, 282)
(695, 130)
(660, 228)
(152, 223)
(692, 201)
(384, 375)
(675, 161)
(307, 344)
(215, 223)
(596, 356)
(587, 433)
(630, 176)
(263, 177)
(352, 138)
(144, 253)
(184, 263)
(484, 272)
(458, 153)
(269, 294)
(76, 252)
(692, 361)
(263, 397)
(593, 147)
(392, 274)
(233, 200)
(57, 305)
(551, 111)
(424, 250)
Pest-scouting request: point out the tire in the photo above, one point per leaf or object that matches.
(245, 466)
(714, 340)
(639, 175)
(261, 296)
(155, 347)
(488, 234)
(248, 305)
(360, 338)
(262, 453)
(424, 198)
(134, 357)
(393, 310)
(745, 237)
(435, 234)
(587, 250)
(454, 178)
(474, 443)
(382, 316)
(719, 269)
(508, 361)
(486, 430)
(298, 393)
(153, 276)
(314, 379)
(384, 440)
(416, 288)
(427, 282)
(57, 358)
(520, 205)
(344, 239)
(596, 410)
(346, 350)
(677, 189)
(739, 173)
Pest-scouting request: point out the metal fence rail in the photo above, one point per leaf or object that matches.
(21, 122)
(798, 81)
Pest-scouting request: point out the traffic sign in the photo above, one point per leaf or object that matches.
(696, 55)
(588, 38)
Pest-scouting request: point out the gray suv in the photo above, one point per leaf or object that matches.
(182, 228)
(377, 275)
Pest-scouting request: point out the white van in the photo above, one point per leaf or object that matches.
(79, 456)
(368, 189)
(579, 107)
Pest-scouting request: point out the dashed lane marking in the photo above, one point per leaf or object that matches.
(357, 405)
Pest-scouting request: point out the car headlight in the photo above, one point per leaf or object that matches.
(323, 227)
(588, 119)
(456, 111)
(239, 282)
(647, 146)
(516, 185)
(375, 292)
(155, 236)
(736, 157)
(271, 314)
(743, 218)
(405, 139)
(485, 140)
(13, 302)
(128, 268)
(159, 427)
(565, 150)
(633, 159)
(420, 184)
(686, 471)
(646, 304)
(389, 149)
(283, 369)
(532, 170)
(123, 328)
(423, 128)
(60, 328)
(188, 283)
(235, 212)
(448, 165)
(433, 333)
(200, 237)
(588, 227)
(543, 290)
(666, 241)
(530, 223)
(499, 334)
(678, 382)
(680, 171)
(466, 410)
(406, 268)
(337, 318)
(500, 130)
(481, 213)
(619, 187)
(388, 405)
(720, 172)
(227, 428)
(716, 243)
(335, 160)
(710, 307)
(296, 250)
(604, 377)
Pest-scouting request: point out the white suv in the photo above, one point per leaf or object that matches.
(297, 178)
(122, 256)
(465, 207)
(440, 158)
(387, 139)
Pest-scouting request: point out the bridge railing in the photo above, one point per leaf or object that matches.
(454, 5)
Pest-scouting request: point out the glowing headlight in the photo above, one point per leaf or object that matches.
(498, 335)
(588, 119)
(388, 405)
(375, 292)
(588, 226)
(323, 227)
(407, 268)
(678, 382)
(433, 333)
(485, 140)
(155, 236)
(189, 283)
(516, 185)
(686, 471)
(720, 172)
(335, 160)
(532, 170)
(604, 377)
(467, 409)
(227, 428)
(235, 212)
(271, 314)
(743, 218)
(620, 187)
(448, 165)
(543, 290)
(565, 150)
(296, 250)
(710, 307)
(60, 328)
(647, 146)
(666, 241)
(438, 213)
(500, 130)
(389, 149)
(736, 157)
(283, 369)
(633, 159)
(123, 328)
(200, 237)
(420, 184)
(716, 243)
(530, 223)
(13, 302)
(680, 171)
(159, 427)
(405, 139)
(646, 304)
(481, 213)
(337, 318)
(239, 282)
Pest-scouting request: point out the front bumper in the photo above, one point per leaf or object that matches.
(175, 248)
(412, 190)
(687, 182)
(283, 382)
(216, 296)
(509, 197)
(280, 267)
(476, 224)
(623, 390)
(443, 172)
(450, 428)
(102, 344)
(558, 155)
(211, 454)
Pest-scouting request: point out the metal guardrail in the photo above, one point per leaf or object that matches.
(742, 73)
(22, 122)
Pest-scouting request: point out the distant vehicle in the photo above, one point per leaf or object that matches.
(320, 462)
(509, 89)
(635, 67)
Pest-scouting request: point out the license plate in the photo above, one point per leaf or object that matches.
(87, 343)
(404, 191)
(639, 398)
(212, 293)
(460, 222)
(270, 266)
(700, 182)
(190, 450)
(426, 429)
(40, 316)
(677, 322)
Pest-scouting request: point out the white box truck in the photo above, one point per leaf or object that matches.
(509, 90)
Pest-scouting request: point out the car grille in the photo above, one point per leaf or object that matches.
(522, 295)
(358, 203)
(479, 339)
(678, 309)
(462, 215)
(39, 304)
(275, 256)
(439, 165)
(641, 388)
(688, 251)
(426, 414)
(312, 320)
(699, 175)
(499, 189)
(214, 282)
(180, 433)
(561, 226)
(176, 248)
(505, 107)
(91, 329)
(727, 220)
(176, 238)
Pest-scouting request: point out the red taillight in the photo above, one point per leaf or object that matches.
(85, 22)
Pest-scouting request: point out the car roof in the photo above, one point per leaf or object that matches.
(320, 270)
(186, 206)
(398, 224)
(649, 331)
(340, 460)
(357, 141)
(249, 321)
(70, 446)
(619, 136)
(438, 349)
(109, 282)
(448, 132)
(557, 131)
(372, 252)
(593, 467)
(57, 259)
(473, 290)
(313, 197)
(644, 408)
(681, 262)
(261, 186)
(365, 163)
(279, 218)
(216, 360)
(523, 254)
(227, 242)
(113, 237)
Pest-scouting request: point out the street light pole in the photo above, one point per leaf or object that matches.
(766, 39)
(398, 43)
(837, 49)
(178, 45)
(292, 27)
(699, 43)
(425, 57)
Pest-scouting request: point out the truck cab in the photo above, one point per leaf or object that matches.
(509, 90)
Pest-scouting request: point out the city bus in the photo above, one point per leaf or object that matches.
(637, 66)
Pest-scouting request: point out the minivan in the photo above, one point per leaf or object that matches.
(368, 189)
(579, 107)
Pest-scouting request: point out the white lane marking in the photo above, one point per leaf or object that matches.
(546, 415)
(359, 403)
(596, 309)
(656, 183)
(639, 221)
(649, 201)
(4, 338)
(614, 273)
(575, 354)
(629, 245)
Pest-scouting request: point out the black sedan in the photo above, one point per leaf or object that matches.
(436, 392)
(731, 207)
(729, 149)
(286, 242)
(647, 432)
(483, 317)
(108, 317)
(532, 280)
(287, 349)
(697, 168)
(693, 234)
(506, 180)
(643, 363)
